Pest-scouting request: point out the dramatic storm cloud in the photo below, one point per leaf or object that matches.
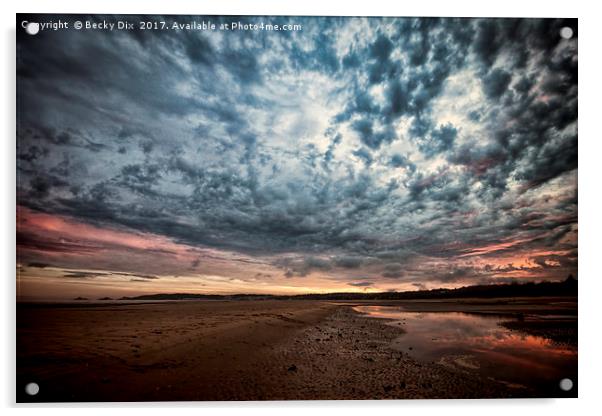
(353, 154)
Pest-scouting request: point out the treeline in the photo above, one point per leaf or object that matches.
(564, 288)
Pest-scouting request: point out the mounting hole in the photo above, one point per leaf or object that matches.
(32, 28)
(566, 384)
(566, 32)
(32, 389)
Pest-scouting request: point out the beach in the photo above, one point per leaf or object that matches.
(245, 350)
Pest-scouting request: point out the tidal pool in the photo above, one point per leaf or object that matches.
(478, 343)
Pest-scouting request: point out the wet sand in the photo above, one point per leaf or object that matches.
(237, 350)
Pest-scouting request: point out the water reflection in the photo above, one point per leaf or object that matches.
(469, 342)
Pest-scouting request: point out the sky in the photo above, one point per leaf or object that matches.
(355, 154)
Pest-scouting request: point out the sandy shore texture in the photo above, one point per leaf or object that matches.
(238, 350)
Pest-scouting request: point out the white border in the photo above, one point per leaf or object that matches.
(590, 179)
(471, 8)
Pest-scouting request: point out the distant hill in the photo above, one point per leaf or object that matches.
(564, 288)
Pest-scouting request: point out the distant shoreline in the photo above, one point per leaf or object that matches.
(568, 287)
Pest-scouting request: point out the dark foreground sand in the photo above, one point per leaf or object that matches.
(238, 350)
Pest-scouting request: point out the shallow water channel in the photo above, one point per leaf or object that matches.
(478, 343)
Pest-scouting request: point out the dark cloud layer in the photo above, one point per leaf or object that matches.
(332, 149)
